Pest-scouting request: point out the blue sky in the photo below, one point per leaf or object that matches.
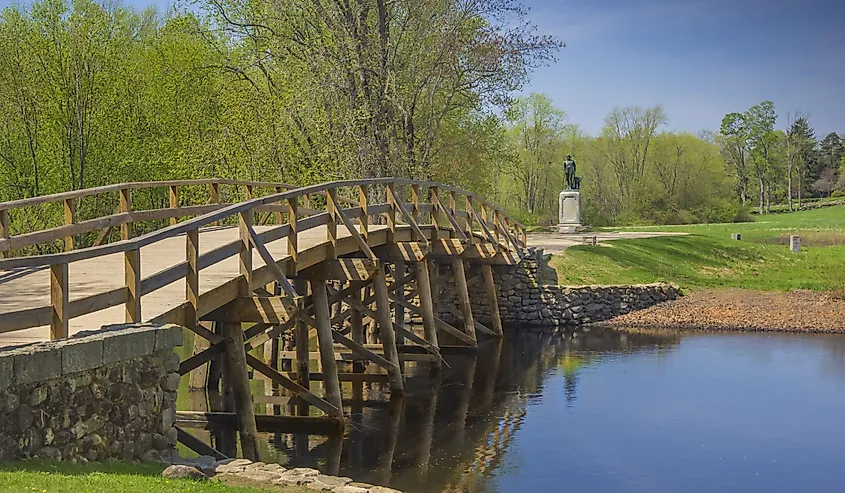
(699, 58)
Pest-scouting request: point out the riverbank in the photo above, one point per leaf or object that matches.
(37, 476)
(741, 310)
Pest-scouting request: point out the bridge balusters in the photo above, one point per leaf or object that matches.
(331, 227)
(293, 237)
(391, 211)
(4, 228)
(192, 279)
(59, 300)
(70, 218)
(415, 204)
(126, 207)
(469, 219)
(363, 202)
(452, 210)
(174, 203)
(132, 275)
(435, 211)
(214, 197)
(278, 214)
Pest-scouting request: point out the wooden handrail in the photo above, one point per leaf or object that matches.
(300, 219)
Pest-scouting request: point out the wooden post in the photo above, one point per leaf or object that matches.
(415, 203)
(236, 372)
(452, 210)
(4, 228)
(388, 337)
(331, 384)
(496, 226)
(59, 300)
(435, 212)
(426, 303)
(278, 215)
(492, 299)
(245, 256)
(192, 279)
(301, 347)
(356, 323)
(174, 202)
(459, 272)
(214, 196)
(524, 237)
(363, 200)
(434, 275)
(132, 274)
(331, 227)
(391, 211)
(70, 218)
(125, 206)
(399, 293)
(469, 219)
(293, 236)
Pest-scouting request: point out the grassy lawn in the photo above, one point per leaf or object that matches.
(708, 258)
(106, 477)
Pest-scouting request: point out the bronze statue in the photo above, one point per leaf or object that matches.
(572, 182)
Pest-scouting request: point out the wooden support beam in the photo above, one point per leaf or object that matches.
(362, 243)
(492, 299)
(198, 445)
(132, 275)
(409, 251)
(174, 202)
(271, 310)
(388, 336)
(426, 302)
(4, 229)
(463, 296)
(331, 384)
(301, 342)
(70, 218)
(312, 425)
(391, 211)
(441, 324)
(59, 301)
(236, 372)
(361, 350)
(255, 240)
(399, 292)
(458, 313)
(356, 319)
(435, 212)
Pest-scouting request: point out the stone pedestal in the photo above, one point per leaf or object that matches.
(569, 212)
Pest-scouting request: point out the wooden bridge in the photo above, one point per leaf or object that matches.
(294, 264)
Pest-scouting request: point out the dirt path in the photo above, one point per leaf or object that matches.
(557, 243)
(741, 309)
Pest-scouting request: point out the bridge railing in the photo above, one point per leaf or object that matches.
(418, 204)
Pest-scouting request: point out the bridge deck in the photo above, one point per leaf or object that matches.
(30, 288)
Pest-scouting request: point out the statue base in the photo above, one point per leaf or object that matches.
(569, 212)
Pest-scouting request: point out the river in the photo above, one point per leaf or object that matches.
(602, 411)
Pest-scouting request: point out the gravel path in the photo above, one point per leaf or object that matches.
(556, 243)
(741, 309)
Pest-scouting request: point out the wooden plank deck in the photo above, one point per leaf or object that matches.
(30, 288)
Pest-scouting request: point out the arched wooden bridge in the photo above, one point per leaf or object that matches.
(318, 262)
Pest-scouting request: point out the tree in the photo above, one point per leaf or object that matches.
(537, 129)
(831, 151)
(801, 140)
(827, 182)
(627, 136)
(734, 135)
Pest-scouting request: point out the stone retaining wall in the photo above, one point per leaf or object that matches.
(101, 394)
(529, 296)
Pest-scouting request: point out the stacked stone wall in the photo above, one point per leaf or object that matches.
(101, 394)
(528, 295)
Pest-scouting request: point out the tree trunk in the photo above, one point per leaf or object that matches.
(762, 196)
(789, 185)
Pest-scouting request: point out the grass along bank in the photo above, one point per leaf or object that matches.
(37, 476)
(708, 258)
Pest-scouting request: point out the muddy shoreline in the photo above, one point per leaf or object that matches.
(742, 310)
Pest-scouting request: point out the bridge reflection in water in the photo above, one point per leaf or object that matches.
(454, 427)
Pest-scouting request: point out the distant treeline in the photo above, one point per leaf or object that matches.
(302, 91)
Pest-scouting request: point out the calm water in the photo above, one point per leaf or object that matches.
(604, 411)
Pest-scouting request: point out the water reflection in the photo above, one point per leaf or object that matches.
(598, 410)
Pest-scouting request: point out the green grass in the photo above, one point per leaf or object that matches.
(708, 258)
(36, 476)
